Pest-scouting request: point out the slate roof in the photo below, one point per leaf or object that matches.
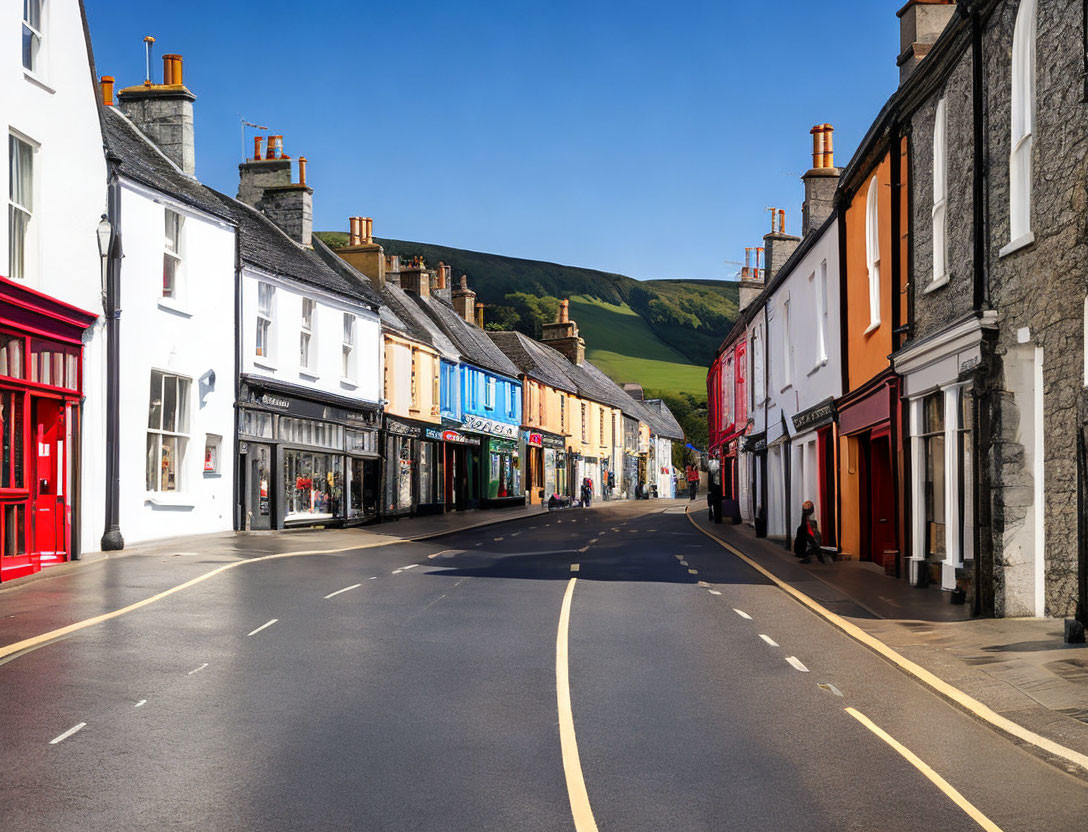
(142, 161)
(423, 327)
(471, 341)
(668, 426)
(535, 359)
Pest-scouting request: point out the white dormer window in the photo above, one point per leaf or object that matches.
(266, 299)
(872, 252)
(171, 258)
(1023, 123)
(347, 367)
(940, 194)
(306, 336)
(20, 207)
(32, 34)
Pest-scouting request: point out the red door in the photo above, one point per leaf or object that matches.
(47, 484)
(883, 527)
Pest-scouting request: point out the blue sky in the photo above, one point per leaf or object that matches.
(642, 138)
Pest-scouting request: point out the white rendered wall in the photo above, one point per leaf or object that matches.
(193, 338)
(283, 364)
(55, 110)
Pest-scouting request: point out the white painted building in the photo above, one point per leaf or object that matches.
(176, 366)
(51, 505)
(799, 342)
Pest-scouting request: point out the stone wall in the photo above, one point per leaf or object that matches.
(1039, 290)
(936, 307)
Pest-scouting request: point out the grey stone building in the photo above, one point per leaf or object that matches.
(993, 363)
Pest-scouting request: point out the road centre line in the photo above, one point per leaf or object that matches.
(575, 567)
(713, 592)
(797, 664)
(409, 566)
(950, 692)
(930, 774)
(68, 733)
(693, 571)
(830, 688)
(140, 704)
(580, 809)
(769, 640)
(444, 552)
(345, 589)
(742, 613)
(198, 669)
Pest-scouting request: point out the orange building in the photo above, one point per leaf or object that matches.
(874, 246)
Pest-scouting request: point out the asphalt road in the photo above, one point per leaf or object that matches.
(423, 696)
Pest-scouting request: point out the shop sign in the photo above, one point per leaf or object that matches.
(306, 408)
(556, 442)
(534, 439)
(451, 436)
(755, 443)
(278, 402)
(483, 425)
(503, 445)
(401, 429)
(821, 414)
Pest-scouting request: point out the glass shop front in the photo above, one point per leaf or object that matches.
(297, 470)
(415, 465)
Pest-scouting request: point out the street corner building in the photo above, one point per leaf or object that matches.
(918, 353)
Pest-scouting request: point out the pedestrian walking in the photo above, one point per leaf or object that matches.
(693, 482)
(714, 490)
(587, 492)
(807, 541)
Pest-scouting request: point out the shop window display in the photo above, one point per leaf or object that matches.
(313, 485)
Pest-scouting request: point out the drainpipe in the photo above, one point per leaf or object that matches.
(239, 489)
(978, 179)
(111, 537)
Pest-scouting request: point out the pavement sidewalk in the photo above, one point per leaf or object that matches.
(105, 581)
(1019, 667)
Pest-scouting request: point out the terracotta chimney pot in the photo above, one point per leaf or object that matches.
(107, 90)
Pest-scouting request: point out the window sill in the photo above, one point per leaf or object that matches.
(169, 500)
(171, 305)
(787, 387)
(873, 327)
(265, 365)
(1017, 244)
(347, 382)
(309, 375)
(37, 81)
(936, 284)
(819, 366)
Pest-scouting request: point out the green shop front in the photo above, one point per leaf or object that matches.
(501, 455)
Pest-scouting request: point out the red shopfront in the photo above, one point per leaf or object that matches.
(41, 343)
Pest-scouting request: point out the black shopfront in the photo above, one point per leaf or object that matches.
(304, 460)
(429, 468)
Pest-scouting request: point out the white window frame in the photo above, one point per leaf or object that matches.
(22, 260)
(872, 250)
(180, 433)
(940, 196)
(307, 347)
(1023, 126)
(347, 350)
(266, 315)
(172, 256)
(489, 393)
(819, 291)
(37, 35)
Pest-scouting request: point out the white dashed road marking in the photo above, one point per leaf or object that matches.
(140, 704)
(796, 664)
(769, 640)
(197, 669)
(68, 733)
(742, 613)
(829, 687)
(575, 567)
(345, 589)
(713, 592)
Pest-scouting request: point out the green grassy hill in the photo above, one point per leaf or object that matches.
(659, 333)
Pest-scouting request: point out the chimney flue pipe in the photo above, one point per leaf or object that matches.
(781, 220)
(302, 170)
(829, 147)
(354, 234)
(258, 145)
(107, 90)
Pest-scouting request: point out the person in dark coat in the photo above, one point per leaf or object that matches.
(587, 492)
(693, 482)
(714, 490)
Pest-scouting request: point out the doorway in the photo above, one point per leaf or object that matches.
(878, 534)
(48, 483)
(259, 479)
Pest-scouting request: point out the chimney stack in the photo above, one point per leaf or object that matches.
(364, 254)
(920, 24)
(464, 301)
(563, 336)
(163, 112)
(821, 181)
(778, 244)
(480, 315)
(415, 278)
(750, 283)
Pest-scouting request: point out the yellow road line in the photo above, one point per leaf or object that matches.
(933, 776)
(40, 640)
(954, 694)
(572, 764)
